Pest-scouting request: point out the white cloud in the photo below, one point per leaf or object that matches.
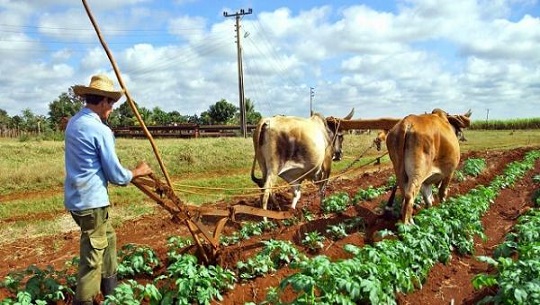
(182, 56)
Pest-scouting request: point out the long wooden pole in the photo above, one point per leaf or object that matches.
(128, 96)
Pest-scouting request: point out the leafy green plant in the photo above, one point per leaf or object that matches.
(313, 240)
(247, 230)
(195, 282)
(473, 166)
(336, 203)
(132, 293)
(307, 215)
(392, 181)
(290, 221)
(275, 254)
(536, 178)
(174, 244)
(136, 259)
(337, 231)
(517, 276)
(355, 224)
(368, 194)
(40, 286)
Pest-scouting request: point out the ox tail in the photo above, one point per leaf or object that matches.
(257, 138)
(258, 181)
(402, 148)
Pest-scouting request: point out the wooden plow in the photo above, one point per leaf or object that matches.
(206, 238)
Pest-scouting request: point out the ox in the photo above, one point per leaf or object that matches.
(295, 149)
(424, 150)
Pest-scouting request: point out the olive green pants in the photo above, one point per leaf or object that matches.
(97, 251)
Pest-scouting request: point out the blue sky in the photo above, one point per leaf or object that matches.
(384, 58)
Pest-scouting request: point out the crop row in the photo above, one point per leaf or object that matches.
(516, 262)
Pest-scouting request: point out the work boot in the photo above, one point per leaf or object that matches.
(108, 284)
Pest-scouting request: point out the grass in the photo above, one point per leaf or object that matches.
(202, 171)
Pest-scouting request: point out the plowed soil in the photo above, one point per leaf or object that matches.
(446, 284)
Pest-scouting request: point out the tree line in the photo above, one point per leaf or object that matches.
(68, 104)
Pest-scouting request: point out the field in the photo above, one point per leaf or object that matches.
(36, 229)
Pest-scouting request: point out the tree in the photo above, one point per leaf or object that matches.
(222, 112)
(65, 106)
(16, 122)
(205, 118)
(159, 117)
(5, 120)
(176, 118)
(194, 119)
(252, 116)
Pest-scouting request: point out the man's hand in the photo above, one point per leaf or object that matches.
(142, 169)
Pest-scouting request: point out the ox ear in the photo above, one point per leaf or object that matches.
(350, 115)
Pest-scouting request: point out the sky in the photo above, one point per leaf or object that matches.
(382, 58)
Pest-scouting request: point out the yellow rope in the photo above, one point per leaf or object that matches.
(278, 187)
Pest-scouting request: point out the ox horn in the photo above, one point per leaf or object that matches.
(350, 115)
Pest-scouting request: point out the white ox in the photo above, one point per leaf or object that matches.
(295, 149)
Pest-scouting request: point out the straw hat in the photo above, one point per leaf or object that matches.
(99, 85)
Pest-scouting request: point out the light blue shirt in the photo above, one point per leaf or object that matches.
(91, 162)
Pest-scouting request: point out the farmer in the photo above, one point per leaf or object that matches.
(91, 163)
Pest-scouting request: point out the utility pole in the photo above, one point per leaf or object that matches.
(237, 15)
(311, 95)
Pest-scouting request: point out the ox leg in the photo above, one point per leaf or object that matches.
(411, 191)
(267, 194)
(427, 194)
(322, 191)
(388, 209)
(443, 188)
(297, 193)
(407, 209)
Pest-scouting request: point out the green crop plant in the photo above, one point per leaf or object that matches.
(471, 167)
(136, 259)
(39, 286)
(132, 293)
(275, 254)
(336, 203)
(174, 244)
(517, 276)
(337, 231)
(368, 194)
(187, 281)
(313, 241)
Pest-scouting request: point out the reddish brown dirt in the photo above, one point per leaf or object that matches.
(444, 285)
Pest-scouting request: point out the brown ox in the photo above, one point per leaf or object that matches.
(424, 150)
(295, 149)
